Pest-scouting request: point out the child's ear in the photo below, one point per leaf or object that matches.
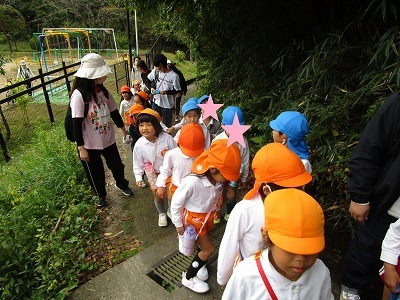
(265, 237)
(266, 190)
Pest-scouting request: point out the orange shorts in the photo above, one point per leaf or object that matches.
(197, 220)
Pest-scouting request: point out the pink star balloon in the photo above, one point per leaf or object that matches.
(236, 131)
(210, 108)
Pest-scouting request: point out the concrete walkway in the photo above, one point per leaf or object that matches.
(129, 280)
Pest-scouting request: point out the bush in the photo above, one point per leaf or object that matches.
(180, 55)
(38, 260)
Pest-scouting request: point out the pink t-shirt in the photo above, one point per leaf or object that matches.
(97, 129)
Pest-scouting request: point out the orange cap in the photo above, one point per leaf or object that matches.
(227, 160)
(135, 82)
(294, 221)
(143, 95)
(136, 109)
(275, 163)
(149, 111)
(191, 140)
(125, 89)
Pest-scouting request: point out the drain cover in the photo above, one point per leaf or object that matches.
(168, 272)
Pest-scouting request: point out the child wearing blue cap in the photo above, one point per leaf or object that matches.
(228, 115)
(191, 115)
(290, 129)
(213, 125)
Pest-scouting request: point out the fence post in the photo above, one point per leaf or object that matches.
(46, 96)
(4, 148)
(116, 77)
(128, 80)
(66, 77)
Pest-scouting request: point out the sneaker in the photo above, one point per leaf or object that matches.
(102, 202)
(195, 284)
(202, 274)
(143, 184)
(126, 191)
(226, 217)
(162, 220)
(349, 293)
(217, 220)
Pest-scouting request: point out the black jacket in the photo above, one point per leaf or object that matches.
(182, 79)
(374, 166)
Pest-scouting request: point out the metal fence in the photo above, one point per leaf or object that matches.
(48, 97)
(154, 50)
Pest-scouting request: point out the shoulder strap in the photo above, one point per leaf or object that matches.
(263, 276)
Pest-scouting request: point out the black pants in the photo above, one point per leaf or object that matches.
(177, 105)
(362, 261)
(166, 114)
(95, 169)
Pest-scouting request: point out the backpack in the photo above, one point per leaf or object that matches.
(69, 129)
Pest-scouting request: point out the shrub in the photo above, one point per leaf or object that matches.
(180, 55)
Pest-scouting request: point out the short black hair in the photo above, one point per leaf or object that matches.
(151, 119)
(160, 58)
(142, 64)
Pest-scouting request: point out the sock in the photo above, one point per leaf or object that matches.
(194, 267)
(230, 206)
(160, 206)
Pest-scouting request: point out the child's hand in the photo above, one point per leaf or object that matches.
(161, 191)
(180, 230)
(170, 130)
(392, 279)
(139, 183)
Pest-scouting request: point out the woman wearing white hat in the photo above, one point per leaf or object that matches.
(92, 108)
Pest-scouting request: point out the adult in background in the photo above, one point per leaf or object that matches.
(144, 71)
(164, 85)
(135, 73)
(178, 96)
(374, 188)
(94, 133)
(24, 72)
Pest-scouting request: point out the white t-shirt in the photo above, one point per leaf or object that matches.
(97, 129)
(391, 244)
(166, 82)
(242, 235)
(247, 284)
(146, 151)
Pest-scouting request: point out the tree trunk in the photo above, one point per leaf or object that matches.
(9, 42)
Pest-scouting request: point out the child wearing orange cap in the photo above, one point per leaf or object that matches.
(151, 147)
(126, 103)
(274, 167)
(142, 98)
(289, 267)
(135, 86)
(178, 161)
(134, 110)
(194, 203)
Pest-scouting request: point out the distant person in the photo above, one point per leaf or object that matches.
(24, 73)
(289, 267)
(136, 86)
(164, 85)
(94, 133)
(144, 71)
(135, 73)
(178, 96)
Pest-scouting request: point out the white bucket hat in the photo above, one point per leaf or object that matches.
(93, 66)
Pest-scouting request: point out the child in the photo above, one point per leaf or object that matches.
(274, 167)
(135, 86)
(227, 119)
(178, 161)
(390, 256)
(142, 98)
(213, 125)
(191, 115)
(126, 103)
(194, 203)
(134, 111)
(293, 235)
(290, 128)
(151, 147)
(182, 123)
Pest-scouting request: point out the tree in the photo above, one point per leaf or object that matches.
(11, 22)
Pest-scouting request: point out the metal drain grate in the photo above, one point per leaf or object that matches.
(170, 269)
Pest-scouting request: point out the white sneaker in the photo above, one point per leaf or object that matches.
(195, 284)
(349, 294)
(143, 185)
(162, 220)
(202, 274)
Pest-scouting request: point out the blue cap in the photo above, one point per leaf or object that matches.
(202, 98)
(295, 126)
(193, 99)
(189, 105)
(229, 113)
